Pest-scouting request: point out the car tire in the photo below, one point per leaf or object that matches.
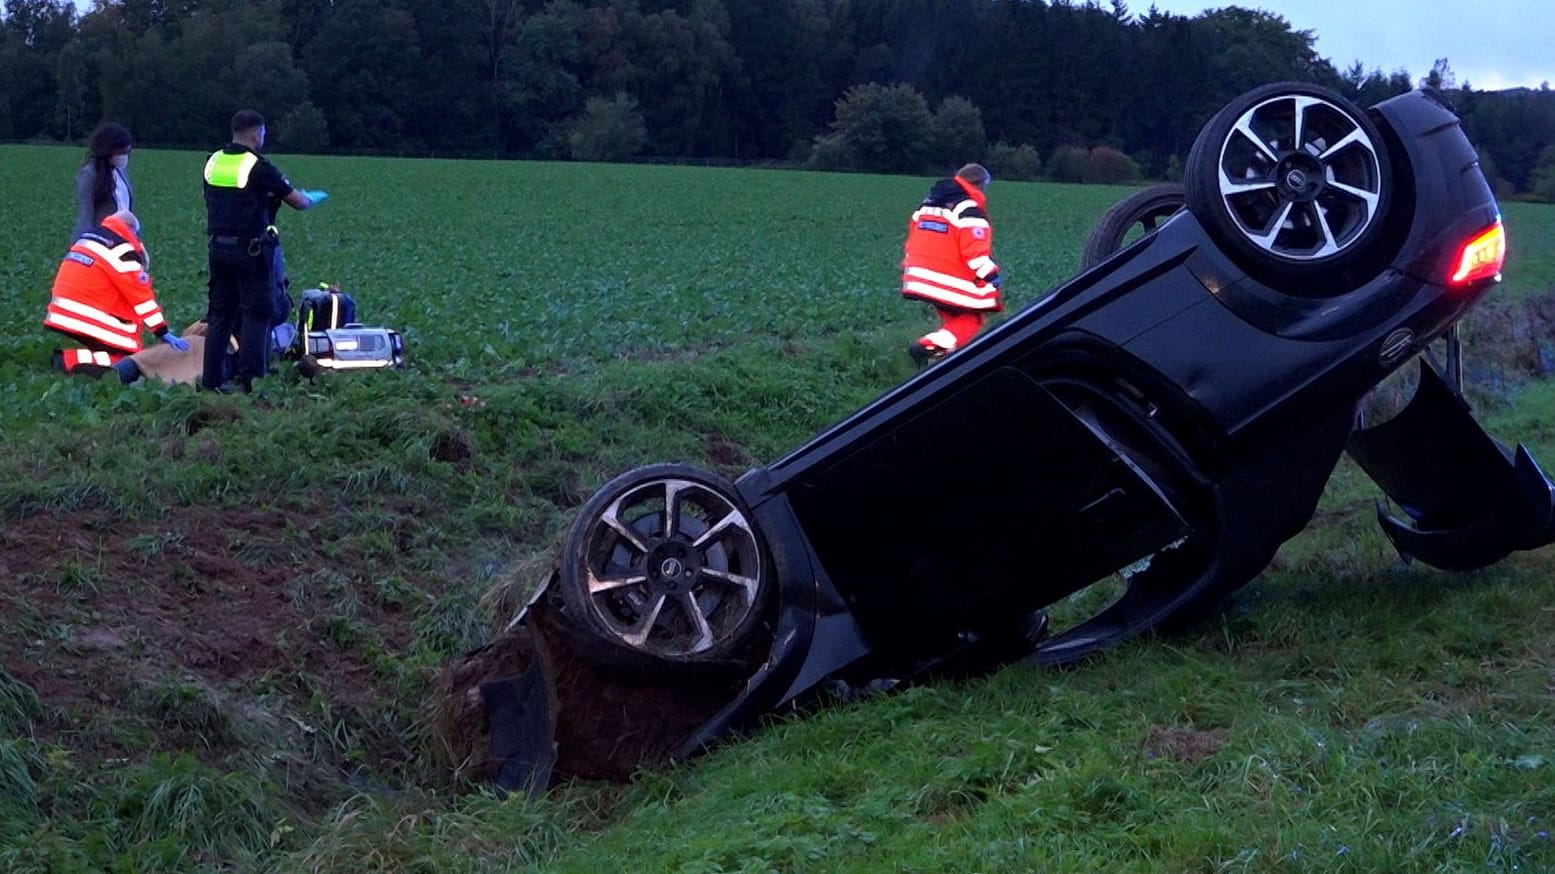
(1142, 211)
(663, 572)
(1294, 182)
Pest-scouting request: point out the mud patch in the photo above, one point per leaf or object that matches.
(455, 448)
(725, 454)
(182, 627)
(607, 725)
(461, 735)
(1184, 745)
(211, 635)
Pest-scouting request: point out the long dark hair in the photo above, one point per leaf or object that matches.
(108, 140)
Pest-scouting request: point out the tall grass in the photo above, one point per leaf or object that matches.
(175, 805)
(19, 707)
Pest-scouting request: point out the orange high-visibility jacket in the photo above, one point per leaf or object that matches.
(948, 258)
(102, 292)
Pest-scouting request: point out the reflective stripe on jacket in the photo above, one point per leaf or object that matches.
(72, 360)
(102, 292)
(948, 258)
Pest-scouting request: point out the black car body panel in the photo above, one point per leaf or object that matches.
(1092, 499)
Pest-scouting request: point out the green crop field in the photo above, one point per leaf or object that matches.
(222, 616)
(495, 267)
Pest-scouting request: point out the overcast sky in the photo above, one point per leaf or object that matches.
(1490, 45)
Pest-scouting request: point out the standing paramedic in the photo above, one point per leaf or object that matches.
(948, 262)
(243, 193)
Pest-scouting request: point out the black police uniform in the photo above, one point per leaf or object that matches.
(243, 193)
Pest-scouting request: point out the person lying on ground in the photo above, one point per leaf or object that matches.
(163, 363)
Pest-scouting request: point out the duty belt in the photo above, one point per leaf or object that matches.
(254, 245)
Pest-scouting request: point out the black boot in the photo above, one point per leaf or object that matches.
(922, 355)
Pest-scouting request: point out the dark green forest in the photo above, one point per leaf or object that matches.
(1066, 90)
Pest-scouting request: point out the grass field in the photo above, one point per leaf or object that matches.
(223, 613)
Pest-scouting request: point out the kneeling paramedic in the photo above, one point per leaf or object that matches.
(948, 262)
(101, 299)
(243, 194)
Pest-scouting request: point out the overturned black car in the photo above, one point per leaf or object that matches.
(1168, 417)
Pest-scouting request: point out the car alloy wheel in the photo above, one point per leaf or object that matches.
(1295, 182)
(1300, 176)
(665, 564)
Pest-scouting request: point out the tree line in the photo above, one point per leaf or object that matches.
(1059, 89)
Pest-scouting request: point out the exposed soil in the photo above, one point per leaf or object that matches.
(183, 622)
(171, 619)
(1183, 744)
(200, 607)
(607, 725)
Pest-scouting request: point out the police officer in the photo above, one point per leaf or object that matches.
(243, 193)
(948, 261)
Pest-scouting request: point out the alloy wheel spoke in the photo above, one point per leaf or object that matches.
(1230, 187)
(732, 519)
(1354, 136)
(1330, 246)
(1267, 239)
(672, 508)
(745, 585)
(1299, 122)
(1370, 198)
(612, 518)
(637, 634)
(1244, 127)
(704, 638)
(598, 584)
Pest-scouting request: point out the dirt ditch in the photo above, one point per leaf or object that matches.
(190, 627)
(181, 623)
(606, 725)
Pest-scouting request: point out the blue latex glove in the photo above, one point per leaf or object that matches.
(315, 196)
(175, 341)
(996, 281)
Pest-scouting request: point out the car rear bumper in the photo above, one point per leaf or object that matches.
(1468, 501)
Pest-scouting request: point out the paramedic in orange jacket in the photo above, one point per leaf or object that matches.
(948, 262)
(102, 298)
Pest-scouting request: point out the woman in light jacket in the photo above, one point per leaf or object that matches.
(103, 183)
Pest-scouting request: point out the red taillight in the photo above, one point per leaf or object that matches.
(1481, 257)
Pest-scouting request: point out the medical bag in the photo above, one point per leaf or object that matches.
(325, 307)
